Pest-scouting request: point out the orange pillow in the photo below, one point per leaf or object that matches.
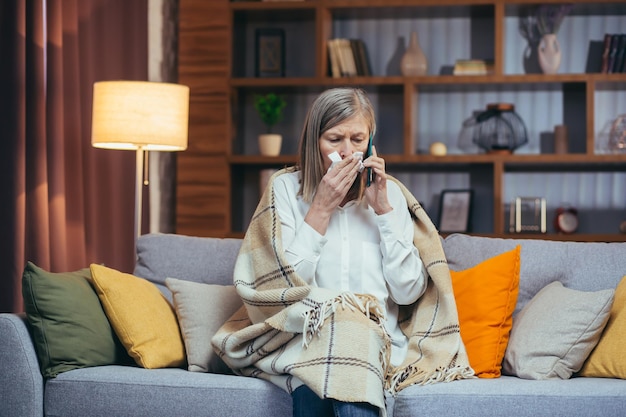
(486, 295)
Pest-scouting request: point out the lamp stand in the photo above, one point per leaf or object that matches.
(138, 192)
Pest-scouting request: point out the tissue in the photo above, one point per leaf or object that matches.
(335, 157)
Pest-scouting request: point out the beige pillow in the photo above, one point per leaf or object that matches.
(201, 311)
(555, 332)
(607, 360)
(142, 318)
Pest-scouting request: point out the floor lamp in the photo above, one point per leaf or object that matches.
(140, 116)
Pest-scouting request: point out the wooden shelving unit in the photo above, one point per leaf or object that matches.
(218, 174)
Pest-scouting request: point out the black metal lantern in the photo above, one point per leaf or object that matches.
(499, 129)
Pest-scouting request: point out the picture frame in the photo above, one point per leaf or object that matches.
(455, 209)
(269, 52)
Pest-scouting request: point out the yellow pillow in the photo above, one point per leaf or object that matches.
(607, 358)
(142, 318)
(486, 295)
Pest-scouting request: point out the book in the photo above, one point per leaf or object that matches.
(472, 67)
(360, 57)
(342, 57)
(333, 59)
(613, 53)
(364, 57)
(594, 57)
(606, 54)
(355, 54)
(349, 69)
(618, 65)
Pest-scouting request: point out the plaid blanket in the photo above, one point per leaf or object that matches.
(290, 333)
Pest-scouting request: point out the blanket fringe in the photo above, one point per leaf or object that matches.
(410, 376)
(315, 317)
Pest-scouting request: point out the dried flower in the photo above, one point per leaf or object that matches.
(528, 28)
(550, 17)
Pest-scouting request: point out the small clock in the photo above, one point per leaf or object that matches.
(566, 220)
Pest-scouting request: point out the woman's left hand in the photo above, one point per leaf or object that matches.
(376, 193)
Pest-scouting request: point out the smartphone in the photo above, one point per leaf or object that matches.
(369, 173)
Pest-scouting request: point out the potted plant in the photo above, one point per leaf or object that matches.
(270, 108)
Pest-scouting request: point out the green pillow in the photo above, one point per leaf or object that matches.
(70, 329)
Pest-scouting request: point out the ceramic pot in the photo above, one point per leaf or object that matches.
(269, 144)
(549, 54)
(414, 61)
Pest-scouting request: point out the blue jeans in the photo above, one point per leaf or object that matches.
(306, 403)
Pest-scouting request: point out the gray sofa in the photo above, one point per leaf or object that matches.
(132, 391)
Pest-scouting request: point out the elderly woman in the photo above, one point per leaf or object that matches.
(329, 261)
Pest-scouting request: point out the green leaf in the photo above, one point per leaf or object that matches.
(270, 107)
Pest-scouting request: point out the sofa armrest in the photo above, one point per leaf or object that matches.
(21, 385)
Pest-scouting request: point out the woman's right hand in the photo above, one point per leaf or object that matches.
(331, 192)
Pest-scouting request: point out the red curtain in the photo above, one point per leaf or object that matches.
(64, 204)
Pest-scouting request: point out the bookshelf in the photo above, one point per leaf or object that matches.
(218, 176)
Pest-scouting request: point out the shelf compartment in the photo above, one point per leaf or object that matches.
(442, 110)
(426, 181)
(386, 99)
(445, 33)
(247, 124)
(599, 196)
(298, 25)
(580, 36)
(609, 103)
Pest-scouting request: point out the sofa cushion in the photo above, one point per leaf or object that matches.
(131, 391)
(607, 360)
(511, 396)
(70, 329)
(485, 296)
(555, 332)
(142, 318)
(199, 259)
(584, 266)
(201, 310)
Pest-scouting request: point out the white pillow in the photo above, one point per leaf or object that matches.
(201, 310)
(556, 331)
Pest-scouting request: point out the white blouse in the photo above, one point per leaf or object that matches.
(361, 252)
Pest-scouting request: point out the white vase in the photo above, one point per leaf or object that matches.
(549, 54)
(270, 143)
(414, 61)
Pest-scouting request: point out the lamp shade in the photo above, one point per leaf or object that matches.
(144, 115)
